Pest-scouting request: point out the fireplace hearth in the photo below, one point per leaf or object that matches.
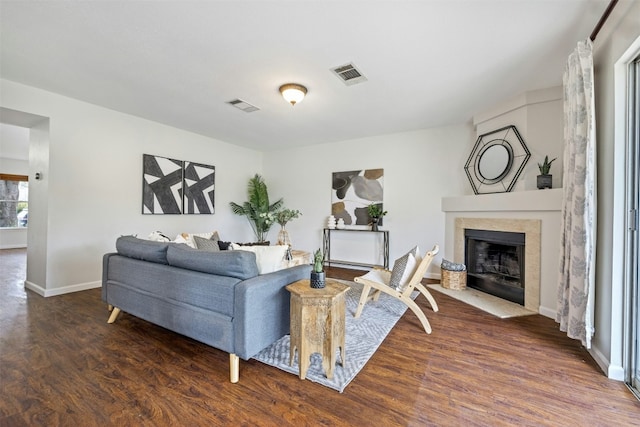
(496, 263)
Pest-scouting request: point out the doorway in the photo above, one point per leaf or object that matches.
(38, 161)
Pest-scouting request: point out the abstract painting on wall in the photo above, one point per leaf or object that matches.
(161, 185)
(199, 185)
(353, 191)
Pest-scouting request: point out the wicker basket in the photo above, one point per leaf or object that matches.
(453, 279)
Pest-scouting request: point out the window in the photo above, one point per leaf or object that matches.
(14, 200)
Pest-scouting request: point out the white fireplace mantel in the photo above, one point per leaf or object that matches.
(537, 200)
(541, 205)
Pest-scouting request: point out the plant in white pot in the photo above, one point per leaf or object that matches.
(375, 213)
(260, 213)
(545, 179)
(317, 272)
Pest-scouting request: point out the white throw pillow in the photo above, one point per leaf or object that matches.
(403, 269)
(268, 258)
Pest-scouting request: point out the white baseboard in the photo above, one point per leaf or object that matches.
(547, 312)
(13, 247)
(436, 276)
(63, 290)
(616, 373)
(601, 361)
(613, 372)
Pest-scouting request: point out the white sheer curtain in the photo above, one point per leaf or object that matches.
(575, 312)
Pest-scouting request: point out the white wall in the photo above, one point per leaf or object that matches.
(621, 31)
(94, 184)
(419, 169)
(538, 116)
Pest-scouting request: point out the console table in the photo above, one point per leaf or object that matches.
(326, 243)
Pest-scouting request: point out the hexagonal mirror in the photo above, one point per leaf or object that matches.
(496, 161)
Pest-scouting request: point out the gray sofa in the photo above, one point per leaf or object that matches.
(217, 298)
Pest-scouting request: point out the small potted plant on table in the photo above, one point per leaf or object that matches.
(375, 213)
(317, 273)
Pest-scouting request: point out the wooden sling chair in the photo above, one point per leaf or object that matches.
(381, 281)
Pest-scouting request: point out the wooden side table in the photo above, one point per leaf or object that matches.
(317, 324)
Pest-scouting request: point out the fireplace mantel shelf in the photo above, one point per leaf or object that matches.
(536, 200)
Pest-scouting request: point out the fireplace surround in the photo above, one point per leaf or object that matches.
(531, 230)
(496, 263)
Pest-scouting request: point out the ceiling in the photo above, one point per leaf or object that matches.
(428, 63)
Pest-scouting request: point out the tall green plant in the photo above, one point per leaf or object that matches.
(260, 213)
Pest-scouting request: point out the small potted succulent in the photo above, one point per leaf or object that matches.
(317, 272)
(375, 213)
(545, 179)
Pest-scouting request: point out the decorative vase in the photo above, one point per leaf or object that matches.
(340, 225)
(317, 280)
(331, 222)
(283, 237)
(374, 224)
(544, 181)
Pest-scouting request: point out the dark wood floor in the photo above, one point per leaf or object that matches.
(62, 364)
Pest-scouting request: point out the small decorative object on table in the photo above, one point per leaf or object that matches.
(283, 217)
(454, 276)
(375, 213)
(331, 222)
(317, 273)
(340, 225)
(545, 179)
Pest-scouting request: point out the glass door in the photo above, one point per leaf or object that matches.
(633, 241)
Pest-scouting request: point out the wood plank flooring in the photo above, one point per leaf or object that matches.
(61, 364)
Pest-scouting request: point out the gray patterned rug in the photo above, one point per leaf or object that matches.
(363, 337)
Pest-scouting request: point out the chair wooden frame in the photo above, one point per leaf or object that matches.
(404, 295)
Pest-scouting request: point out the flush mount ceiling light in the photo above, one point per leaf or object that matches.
(293, 92)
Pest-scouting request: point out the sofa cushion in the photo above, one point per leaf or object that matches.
(188, 238)
(239, 264)
(403, 269)
(206, 244)
(224, 246)
(146, 250)
(268, 258)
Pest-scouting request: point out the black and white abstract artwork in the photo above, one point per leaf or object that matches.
(353, 191)
(199, 186)
(161, 185)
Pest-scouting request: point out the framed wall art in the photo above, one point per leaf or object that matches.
(199, 186)
(353, 191)
(161, 185)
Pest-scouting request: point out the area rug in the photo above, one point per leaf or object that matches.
(485, 302)
(363, 337)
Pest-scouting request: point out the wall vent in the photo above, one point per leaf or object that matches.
(349, 74)
(243, 105)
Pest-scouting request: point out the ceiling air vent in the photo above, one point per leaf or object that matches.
(243, 105)
(349, 74)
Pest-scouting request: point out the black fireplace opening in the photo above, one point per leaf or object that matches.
(495, 263)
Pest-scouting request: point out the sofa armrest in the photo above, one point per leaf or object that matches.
(105, 273)
(261, 311)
